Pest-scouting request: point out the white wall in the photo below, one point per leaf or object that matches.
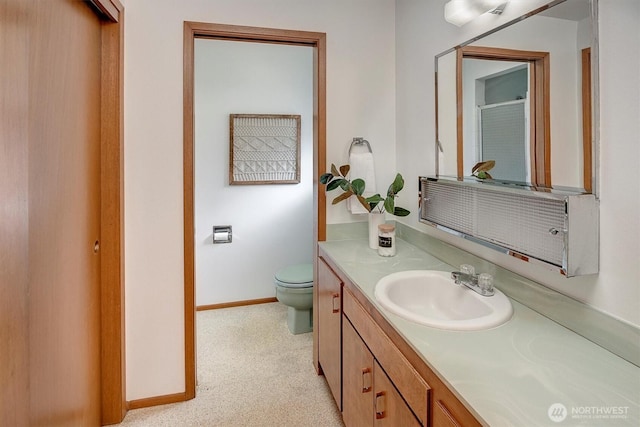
(360, 102)
(272, 224)
(422, 33)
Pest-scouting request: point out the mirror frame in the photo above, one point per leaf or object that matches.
(590, 156)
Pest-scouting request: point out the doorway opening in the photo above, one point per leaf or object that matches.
(258, 181)
(195, 30)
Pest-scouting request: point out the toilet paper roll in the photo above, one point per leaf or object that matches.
(221, 236)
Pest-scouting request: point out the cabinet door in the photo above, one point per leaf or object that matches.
(442, 417)
(390, 408)
(329, 329)
(357, 379)
(414, 390)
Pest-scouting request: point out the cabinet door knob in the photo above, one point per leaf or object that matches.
(336, 303)
(380, 405)
(366, 380)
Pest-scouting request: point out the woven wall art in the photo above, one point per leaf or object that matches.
(265, 149)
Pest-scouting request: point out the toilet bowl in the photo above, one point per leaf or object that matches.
(294, 288)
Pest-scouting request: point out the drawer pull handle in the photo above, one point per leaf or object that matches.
(366, 380)
(380, 405)
(336, 303)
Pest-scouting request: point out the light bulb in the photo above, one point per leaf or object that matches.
(459, 12)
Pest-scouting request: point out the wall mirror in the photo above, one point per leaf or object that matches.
(523, 95)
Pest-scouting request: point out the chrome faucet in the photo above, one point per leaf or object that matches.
(479, 283)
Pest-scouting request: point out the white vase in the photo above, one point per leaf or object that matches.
(375, 219)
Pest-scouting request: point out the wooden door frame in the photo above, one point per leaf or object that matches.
(539, 99)
(112, 343)
(193, 30)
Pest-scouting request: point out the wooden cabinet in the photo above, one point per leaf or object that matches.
(369, 396)
(394, 380)
(376, 377)
(329, 330)
(389, 406)
(357, 379)
(442, 417)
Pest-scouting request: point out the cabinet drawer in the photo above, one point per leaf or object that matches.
(407, 380)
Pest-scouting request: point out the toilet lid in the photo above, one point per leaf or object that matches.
(295, 276)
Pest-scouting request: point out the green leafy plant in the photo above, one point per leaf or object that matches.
(481, 169)
(337, 178)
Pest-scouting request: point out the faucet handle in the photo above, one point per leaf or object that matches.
(468, 269)
(485, 282)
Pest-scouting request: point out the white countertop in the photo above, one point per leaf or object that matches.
(510, 375)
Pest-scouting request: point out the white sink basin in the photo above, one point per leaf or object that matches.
(433, 299)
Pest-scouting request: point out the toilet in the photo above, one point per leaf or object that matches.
(294, 288)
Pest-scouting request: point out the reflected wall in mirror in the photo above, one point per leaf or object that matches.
(521, 96)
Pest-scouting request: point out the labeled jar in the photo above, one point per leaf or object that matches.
(386, 240)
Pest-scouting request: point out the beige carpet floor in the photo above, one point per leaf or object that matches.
(251, 372)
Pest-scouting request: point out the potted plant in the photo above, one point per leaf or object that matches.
(376, 205)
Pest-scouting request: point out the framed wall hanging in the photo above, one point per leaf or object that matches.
(264, 149)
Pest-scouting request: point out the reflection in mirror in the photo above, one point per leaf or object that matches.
(520, 96)
(499, 90)
(505, 113)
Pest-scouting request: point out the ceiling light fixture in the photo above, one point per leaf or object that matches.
(460, 12)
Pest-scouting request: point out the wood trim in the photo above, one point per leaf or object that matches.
(194, 30)
(112, 357)
(532, 133)
(496, 53)
(189, 226)
(319, 166)
(460, 114)
(156, 400)
(255, 34)
(538, 127)
(236, 304)
(587, 148)
(543, 110)
(540, 92)
(320, 134)
(110, 8)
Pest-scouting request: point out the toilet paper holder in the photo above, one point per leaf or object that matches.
(222, 234)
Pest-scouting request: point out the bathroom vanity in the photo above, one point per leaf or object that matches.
(384, 381)
(385, 370)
